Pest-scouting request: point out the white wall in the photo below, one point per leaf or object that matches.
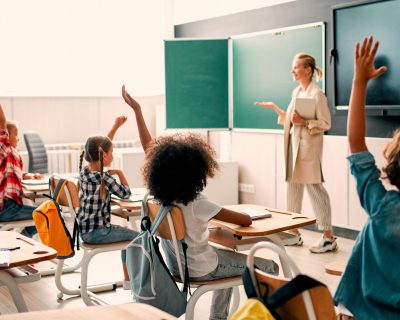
(68, 120)
(194, 10)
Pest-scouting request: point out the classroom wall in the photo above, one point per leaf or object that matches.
(260, 155)
(69, 120)
(286, 15)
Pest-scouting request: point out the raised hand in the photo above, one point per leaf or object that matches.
(129, 100)
(119, 121)
(364, 57)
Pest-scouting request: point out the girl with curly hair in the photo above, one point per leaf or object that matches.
(175, 172)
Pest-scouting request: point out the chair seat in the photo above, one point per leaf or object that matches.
(211, 282)
(104, 245)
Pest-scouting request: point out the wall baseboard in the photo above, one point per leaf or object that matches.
(337, 231)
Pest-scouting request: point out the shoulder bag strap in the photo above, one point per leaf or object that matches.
(294, 287)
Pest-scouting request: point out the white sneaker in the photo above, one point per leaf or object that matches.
(290, 239)
(126, 285)
(324, 245)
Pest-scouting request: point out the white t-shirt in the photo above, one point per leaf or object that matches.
(201, 257)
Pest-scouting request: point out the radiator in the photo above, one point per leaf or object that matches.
(64, 158)
(63, 161)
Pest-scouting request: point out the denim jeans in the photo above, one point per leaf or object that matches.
(15, 212)
(110, 235)
(230, 264)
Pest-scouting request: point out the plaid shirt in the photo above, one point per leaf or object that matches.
(93, 212)
(10, 171)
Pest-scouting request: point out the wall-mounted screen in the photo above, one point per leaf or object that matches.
(351, 24)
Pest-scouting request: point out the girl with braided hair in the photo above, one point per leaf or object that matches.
(96, 187)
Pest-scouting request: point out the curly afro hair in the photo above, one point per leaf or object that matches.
(176, 167)
(392, 155)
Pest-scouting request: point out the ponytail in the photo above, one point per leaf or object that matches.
(319, 75)
(81, 160)
(102, 186)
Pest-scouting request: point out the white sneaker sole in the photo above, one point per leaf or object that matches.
(329, 248)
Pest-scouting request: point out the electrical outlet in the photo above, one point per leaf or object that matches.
(248, 188)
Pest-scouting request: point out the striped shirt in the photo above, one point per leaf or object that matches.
(93, 213)
(10, 171)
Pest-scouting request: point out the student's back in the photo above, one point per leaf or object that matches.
(370, 285)
(175, 172)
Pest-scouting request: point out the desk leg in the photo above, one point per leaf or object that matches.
(12, 286)
(278, 241)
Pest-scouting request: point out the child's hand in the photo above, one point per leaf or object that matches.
(364, 68)
(36, 176)
(129, 100)
(113, 172)
(119, 121)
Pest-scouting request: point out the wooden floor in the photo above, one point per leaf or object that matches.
(106, 267)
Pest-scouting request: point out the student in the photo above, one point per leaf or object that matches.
(370, 285)
(175, 171)
(11, 174)
(96, 187)
(303, 141)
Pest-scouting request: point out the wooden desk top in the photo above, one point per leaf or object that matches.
(280, 221)
(131, 311)
(30, 251)
(336, 268)
(134, 202)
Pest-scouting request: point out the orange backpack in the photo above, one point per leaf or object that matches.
(51, 227)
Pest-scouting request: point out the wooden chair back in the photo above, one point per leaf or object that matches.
(164, 229)
(295, 308)
(73, 189)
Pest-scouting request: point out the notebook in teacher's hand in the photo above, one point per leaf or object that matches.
(306, 108)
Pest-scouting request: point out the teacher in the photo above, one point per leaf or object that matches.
(303, 139)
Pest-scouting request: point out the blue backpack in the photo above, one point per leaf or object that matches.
(151, 281)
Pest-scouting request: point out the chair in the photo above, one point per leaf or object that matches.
(173, 228)
(69, 197)
(36, 152)
(315, 303)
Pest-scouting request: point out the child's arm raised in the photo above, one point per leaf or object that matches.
(231, 216)
(3, 120)
(364, 70)
(119, 121)
(144, 134)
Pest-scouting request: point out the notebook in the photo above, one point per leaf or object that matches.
(34, 182)
(257, 214)
(306, 108)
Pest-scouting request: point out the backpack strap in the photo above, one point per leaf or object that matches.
(161, 214)
(294, 287)
(61, 183)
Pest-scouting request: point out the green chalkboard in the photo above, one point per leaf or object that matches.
(196, 83)
(261, 71)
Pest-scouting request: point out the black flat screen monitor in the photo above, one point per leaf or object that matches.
(353, 22)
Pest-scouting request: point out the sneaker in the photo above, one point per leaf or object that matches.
(126, 285)
(290, 239)
(324, 245)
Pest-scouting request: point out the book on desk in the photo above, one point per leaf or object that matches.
(256, 214)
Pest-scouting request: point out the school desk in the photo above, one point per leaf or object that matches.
(336, 267)
(240, 238)
(129, 209)
(33, 191)
(130, 311)
(29, 251)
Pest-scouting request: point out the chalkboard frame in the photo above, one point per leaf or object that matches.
(382, 109)
(320, 62)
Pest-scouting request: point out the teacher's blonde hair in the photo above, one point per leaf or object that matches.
(309, 61)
